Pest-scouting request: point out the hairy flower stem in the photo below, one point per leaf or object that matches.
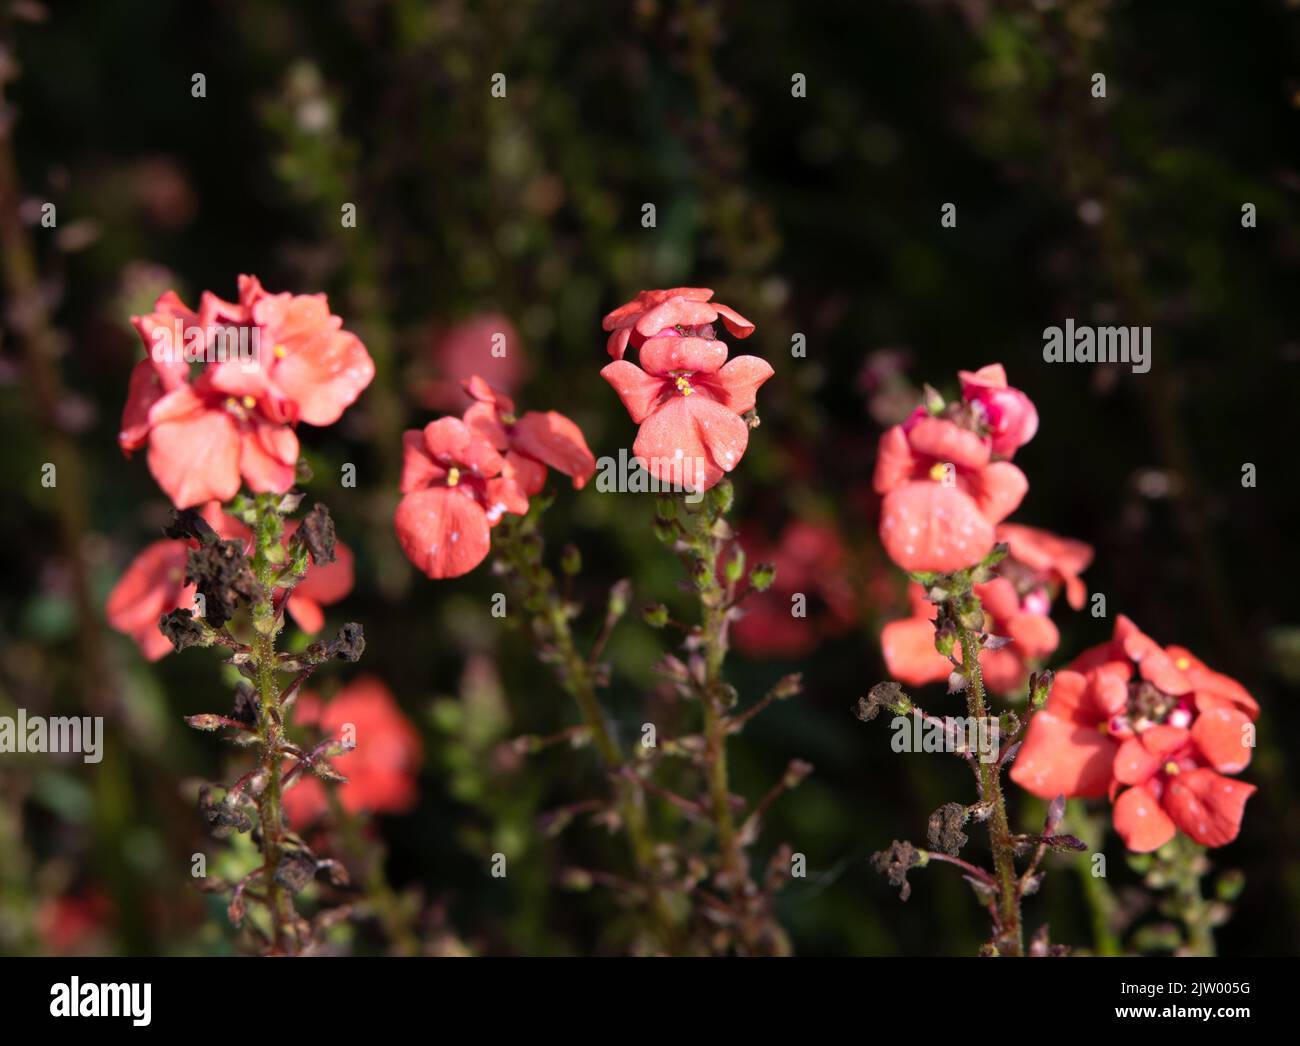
(268, 553)
(1011, 937)
(521, 546)
(714, 638)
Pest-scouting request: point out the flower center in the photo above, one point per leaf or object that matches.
(937, 471)
(1171, 768)
(684, 385)
(453, 476)
(280, 352)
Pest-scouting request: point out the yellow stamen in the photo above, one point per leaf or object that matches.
(938, 471)
(231, 403)
(249, 402)
(1183, 664)
(684, 385)
(1171, 767)
(1104, 726)
(453, 476)
(280, 352)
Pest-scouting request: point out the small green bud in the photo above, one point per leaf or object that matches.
(571, 560)
(722, 496)
(762, 576)
(655, 615)
(735, 567)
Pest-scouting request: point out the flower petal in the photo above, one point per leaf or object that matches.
(1141, 822)
(943, 440)
(419, 470)
(997, 489)
(692, 355)
(910, 656)
(443, 531)
(195, 458)
(1207, 806)
(1060, 757)
(690, 442)
(1222, 736)
(556, 441)
(323, 374)
(736, 385)
(639, 391)
(675, 312)
(895, 462)
(928, 526)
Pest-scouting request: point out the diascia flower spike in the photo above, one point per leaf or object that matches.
(216, 401)
(687, 397)
(264, 364)
(1152, 729)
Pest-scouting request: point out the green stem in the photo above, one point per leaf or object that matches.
(714, 614)
(542, 601)
(1188, 865)
(270, 721)
(1011, 938)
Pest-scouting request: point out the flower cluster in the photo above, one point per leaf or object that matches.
(946, 474)
(1016, 603)
(222, 389)
(1152, 728)
(460, 475)
(688, 399)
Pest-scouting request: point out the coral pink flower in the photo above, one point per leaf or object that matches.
(810, 560)
(456, 490)
(651, 313)
(380, 771)
(1008, 413)
(487, 344)
(1152, 728)
(530, 441)
(687, 398)
(908, 645)
(1040, 561)
(235, 417)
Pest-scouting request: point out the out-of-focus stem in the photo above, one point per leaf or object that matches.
(542, 601)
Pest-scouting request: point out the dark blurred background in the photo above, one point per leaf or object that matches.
(817, 215)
